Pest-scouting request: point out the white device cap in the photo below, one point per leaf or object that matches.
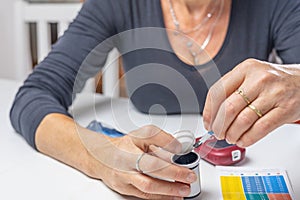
(186, 139)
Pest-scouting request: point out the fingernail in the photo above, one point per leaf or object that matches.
(217, 137)
(240, 144)
(206, 124)
(228, 141)
(184, 191)
(191, 178)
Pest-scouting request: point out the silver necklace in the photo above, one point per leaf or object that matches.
(190, 43)
(197, 27)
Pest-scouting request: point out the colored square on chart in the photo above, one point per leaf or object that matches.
(257, 196)
(254, 184)
(275, 184)
(280, 196)
(232, 187)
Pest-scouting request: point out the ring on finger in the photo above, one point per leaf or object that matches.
(137, 163)
(256, 110)
(241, 92)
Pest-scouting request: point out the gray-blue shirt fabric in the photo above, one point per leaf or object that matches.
(157, 80)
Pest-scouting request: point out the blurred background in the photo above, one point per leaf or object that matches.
(8, 49)
(29, 28)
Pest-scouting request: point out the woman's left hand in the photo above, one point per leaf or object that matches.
(252, 100)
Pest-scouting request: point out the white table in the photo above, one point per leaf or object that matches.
(26, 174)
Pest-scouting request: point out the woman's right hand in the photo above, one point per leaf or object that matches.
(115, 163)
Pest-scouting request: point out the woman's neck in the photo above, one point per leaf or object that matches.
(193, 6)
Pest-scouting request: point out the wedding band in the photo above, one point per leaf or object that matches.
(137, 163)
(257, 111)
(242, 93)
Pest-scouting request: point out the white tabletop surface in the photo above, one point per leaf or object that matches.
(26, 174)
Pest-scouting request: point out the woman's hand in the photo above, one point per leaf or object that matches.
(113, 160)
(252, 100)
(117, 157)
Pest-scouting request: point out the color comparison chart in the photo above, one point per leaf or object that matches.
(250, 184)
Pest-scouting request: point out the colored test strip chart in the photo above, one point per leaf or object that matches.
(254, 184)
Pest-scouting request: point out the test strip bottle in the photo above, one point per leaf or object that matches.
(191, 161)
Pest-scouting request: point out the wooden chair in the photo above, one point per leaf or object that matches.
(42, 14)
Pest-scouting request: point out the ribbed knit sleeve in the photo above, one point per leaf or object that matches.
(51, 86)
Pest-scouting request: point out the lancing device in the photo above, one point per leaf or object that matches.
(203, 139)
(104, 129)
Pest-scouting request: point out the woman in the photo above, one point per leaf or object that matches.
(172, 52)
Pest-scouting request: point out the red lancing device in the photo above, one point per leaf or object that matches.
(219, 152)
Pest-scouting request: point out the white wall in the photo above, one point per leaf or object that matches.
(7, 69)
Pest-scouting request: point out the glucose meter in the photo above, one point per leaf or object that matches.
(219, 152)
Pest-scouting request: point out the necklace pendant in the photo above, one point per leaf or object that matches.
(189, 44)
(176, 33)
(196, 61)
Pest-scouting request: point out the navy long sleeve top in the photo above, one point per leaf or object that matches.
(157, 80)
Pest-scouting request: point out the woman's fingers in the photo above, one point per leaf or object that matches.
(158, 179)
(271, 120)
(158, 175)
(229, 110)
(149, 185)
(246, 118)
(223, 88)
(155, 167)
(248, 115)
(152, 135)
(131, 190)
(161, 153)
(141, 186)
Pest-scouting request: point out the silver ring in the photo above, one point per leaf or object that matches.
(137, 163)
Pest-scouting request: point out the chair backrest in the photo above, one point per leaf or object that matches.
(42, 14)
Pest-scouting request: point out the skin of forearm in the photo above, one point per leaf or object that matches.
(57, 136)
